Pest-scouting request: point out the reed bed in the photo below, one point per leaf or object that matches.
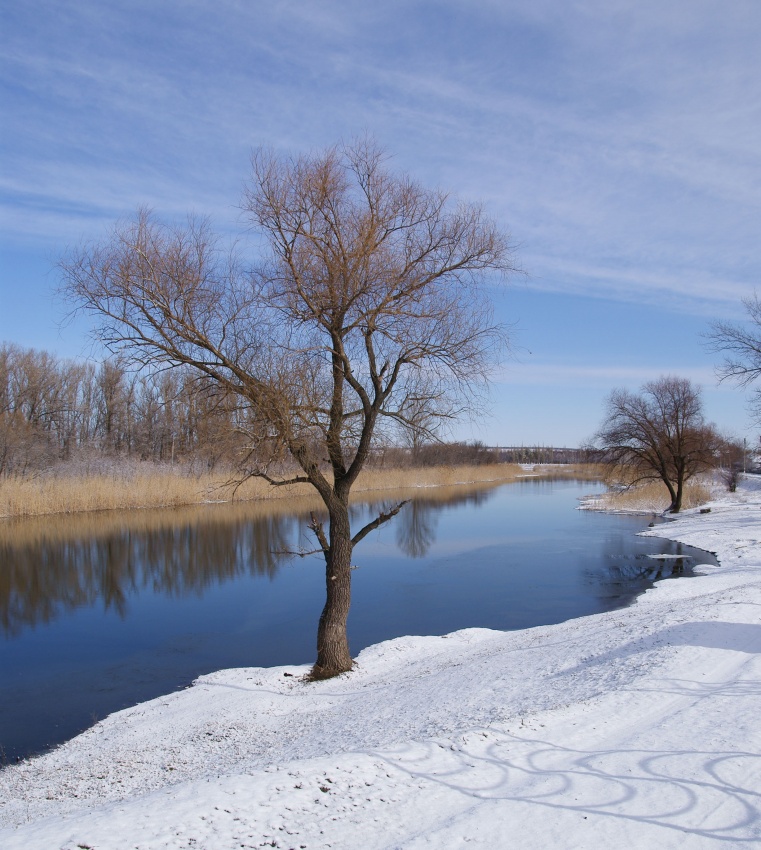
(31, 530)
(434, 476)
(653, 498)
(130, 489)
(140, 487)
(75, 494)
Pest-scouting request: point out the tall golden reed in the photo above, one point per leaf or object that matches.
(160, 488)
(653, 498)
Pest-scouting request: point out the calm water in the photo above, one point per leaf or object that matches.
(107, 616)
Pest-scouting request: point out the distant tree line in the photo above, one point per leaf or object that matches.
(436, 453)
(547, 454)
(475, 453)
(54, 410)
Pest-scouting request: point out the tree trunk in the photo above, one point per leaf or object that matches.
(674, 494)
(676, 501)
(333, 655)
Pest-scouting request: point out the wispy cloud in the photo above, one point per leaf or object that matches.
(687, 290)
(607, 135)
(562, 374)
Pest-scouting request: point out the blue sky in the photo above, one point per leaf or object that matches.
(619, 141)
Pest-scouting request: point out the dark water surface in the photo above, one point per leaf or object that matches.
(101, 617)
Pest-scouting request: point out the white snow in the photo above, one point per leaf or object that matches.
(638, 728)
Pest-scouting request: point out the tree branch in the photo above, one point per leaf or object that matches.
(316, 526)
(378, 521)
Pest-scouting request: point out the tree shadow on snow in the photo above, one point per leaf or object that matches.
(703, 794)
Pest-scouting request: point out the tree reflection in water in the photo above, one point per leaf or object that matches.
(416, 530)
(418, 520)
(623, 572)
(58, 564)
(55, 565)
(41, 581)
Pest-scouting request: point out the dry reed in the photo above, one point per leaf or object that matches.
(653, 498)
(37, 496)
(30, 530)
(25, 497)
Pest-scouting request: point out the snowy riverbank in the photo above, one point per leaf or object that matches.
(635, 728)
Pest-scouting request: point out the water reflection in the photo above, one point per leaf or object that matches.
(416, 530)
(55, 565)
(624, 569)
(38, 583)
(418, 521)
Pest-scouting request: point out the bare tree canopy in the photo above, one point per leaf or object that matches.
(741, 345)
(369, 305)
(659, 434)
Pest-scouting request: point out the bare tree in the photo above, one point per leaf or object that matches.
(40, 408)
(659, 434)
(369, 302)
(731, 461)
(741, 345)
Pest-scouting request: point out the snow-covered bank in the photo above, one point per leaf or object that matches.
(633, 728)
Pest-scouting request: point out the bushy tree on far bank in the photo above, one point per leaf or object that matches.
(659, 434)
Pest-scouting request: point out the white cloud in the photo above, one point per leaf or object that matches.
(685, 290)
(565, 375)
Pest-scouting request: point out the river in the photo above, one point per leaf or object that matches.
(106, 610)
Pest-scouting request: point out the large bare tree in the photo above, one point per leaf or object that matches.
(369, 302)
(741, 346)
(659, 434)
